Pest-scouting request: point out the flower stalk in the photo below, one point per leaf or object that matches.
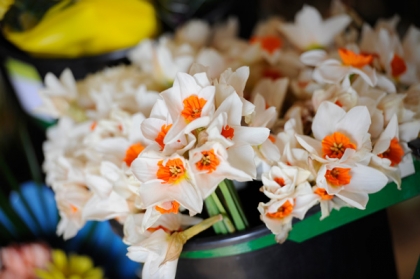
(225, 201)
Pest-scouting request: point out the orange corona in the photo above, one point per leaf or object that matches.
(132, 152)
(283, 211)
(394, 153)
(268, 43)
(398, 66)
(171, 173)
(208, 162)
(192, 107)
(228, 132)
(280, 181)
(173, 209)
(350, 58)
(323, 194)
(161, 136)
(335, 144)
(338, 176)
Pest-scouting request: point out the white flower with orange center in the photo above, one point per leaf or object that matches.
(239, 140)
(327, 202)
(278, 214)
(167, 182)
(338, 135)
(387, 48)
(190, 103)
(334, 71)
(161, 249)
(210, 165)
(270, 46)
(169, 223)
(388, 152)
(350, 183)
(311, 31)
(71, 199)
(156, 127)
(282, 180)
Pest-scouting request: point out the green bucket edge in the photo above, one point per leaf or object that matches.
(313, 226)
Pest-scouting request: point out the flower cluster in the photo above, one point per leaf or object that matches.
(38, 260)
(121, 150)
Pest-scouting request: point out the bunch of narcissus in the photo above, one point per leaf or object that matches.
(317, 115)
(75, 28)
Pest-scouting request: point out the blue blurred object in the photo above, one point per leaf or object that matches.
(36, 207)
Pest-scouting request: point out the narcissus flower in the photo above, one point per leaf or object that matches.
(339, 136)
(311, 31)
(350, 183)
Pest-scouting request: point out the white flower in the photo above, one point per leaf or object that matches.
(194, 32)
(339, 136)
(352, 183)
(310, 31)
(71, 199)
(210, 165)
(334, 71)
(190, 104)
(166, 179)
(161, 250)
(282, 180)
(278, 214)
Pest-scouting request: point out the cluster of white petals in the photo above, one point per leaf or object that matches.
(317, 115)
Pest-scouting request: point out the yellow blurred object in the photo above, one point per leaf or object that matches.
(87, 27)
(4, 6)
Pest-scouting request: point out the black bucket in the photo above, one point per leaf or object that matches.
(361, 249)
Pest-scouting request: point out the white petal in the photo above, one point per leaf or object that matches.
(326, 119)
(313, 57)
(366, 179)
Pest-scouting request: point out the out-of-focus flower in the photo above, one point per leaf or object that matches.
(310, 31)
(21, 260)
(68, 267)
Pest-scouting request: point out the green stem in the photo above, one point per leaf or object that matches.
(237, 200)
(219, 228)
(226, 220)
(234, 211)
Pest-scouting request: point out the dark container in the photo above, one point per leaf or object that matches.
(359, 249)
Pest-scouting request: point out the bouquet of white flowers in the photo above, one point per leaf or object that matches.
(309, 108)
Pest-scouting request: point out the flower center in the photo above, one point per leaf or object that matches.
(160, 227)
(335, 144)
(93, 125)
(208, 162)
(323, 194)
(398, 66)
(74, 209)
(161, 136)
(173, 172)
(350, 58)
(394, 152)
(228, 132)
(338, 176)
(268, 43)
(272, 74)
(280, 181)
(132, 152)
(283, 211)
(192, 107)
(272, 138)
(173, 208)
